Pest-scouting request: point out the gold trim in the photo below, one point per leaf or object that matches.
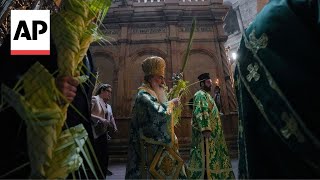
(291, 127)
(257, 101)
(156, 160)
(241, 134)
(202, 114)
(206, 129)
(147, 88)
(154, 163)
(262, 43)
(260, 107)
(171, 131)
(207, 159)
(203, 158)
(151, 141)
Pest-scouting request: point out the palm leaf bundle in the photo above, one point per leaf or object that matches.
(54, 153)
(74, 27)
(180, 86)
(177, 91)
(66, 155)
(40, 114)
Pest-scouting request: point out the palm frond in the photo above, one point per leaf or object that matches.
(180, 86)
(186, 55)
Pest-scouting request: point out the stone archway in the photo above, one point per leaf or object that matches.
(200, 61)
(107, 70)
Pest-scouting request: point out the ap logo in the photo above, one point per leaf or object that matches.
(30, 32)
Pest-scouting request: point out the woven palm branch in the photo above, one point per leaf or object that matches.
(74, 28)
(66, 156)
(53, 154)
(41, 115)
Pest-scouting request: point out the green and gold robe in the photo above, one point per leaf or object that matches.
(214, 159)
(275, 80)
(153, 146)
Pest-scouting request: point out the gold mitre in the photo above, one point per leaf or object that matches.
(154, 65)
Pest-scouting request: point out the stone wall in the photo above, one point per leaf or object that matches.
(137, 29)
(248, 11)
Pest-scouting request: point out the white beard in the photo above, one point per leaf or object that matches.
(160, 91)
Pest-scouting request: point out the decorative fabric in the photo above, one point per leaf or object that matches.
(278, 134)
(208, 156)
(152, 143)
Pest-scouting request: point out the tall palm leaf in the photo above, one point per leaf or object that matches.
(180, 86)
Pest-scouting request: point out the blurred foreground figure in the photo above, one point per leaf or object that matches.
(275, 83)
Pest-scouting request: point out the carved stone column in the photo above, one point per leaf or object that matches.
(121, 74)
(174, 55)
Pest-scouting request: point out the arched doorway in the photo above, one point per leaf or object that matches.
(106, 72)
(200, 61)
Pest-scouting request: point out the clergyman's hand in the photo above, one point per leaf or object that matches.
(175, 101)
(67, 86)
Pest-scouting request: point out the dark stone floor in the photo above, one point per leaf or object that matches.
(119, 169)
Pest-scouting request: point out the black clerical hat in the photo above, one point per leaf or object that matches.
(204, 76)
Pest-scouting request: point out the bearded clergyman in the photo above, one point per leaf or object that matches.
(152, 152)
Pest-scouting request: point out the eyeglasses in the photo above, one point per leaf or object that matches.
(108, 90)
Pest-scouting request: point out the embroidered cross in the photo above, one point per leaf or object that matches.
(253, 74)
(291, 128)
(167, 165)
(255, 44)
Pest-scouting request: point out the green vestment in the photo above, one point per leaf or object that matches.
(275, 82)
(214, 159)
(153, 150)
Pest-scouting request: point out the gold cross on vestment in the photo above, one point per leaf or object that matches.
(253, 72)
(291, 127)
(255, 44)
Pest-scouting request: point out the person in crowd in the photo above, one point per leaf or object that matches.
(100, 123)
(209, 157)
(151, 131)
(113, 128)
